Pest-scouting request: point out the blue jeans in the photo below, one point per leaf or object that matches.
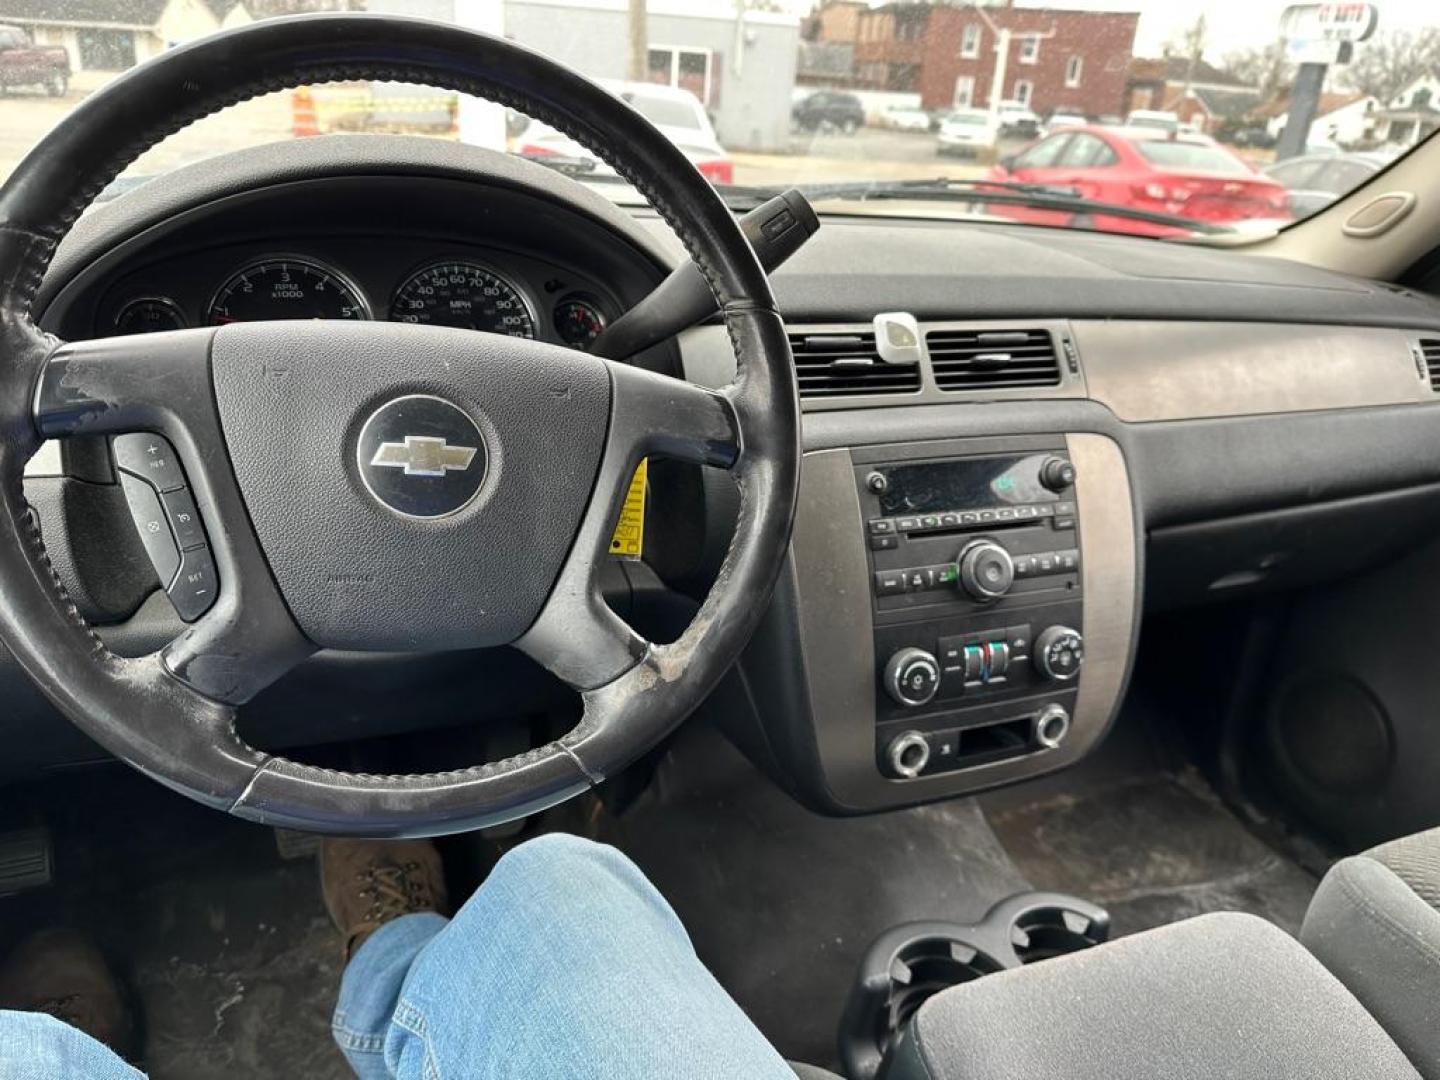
(565, 963)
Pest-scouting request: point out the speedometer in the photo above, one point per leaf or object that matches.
(286, 288)
(466, 295)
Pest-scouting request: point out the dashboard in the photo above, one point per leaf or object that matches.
(1094, 427)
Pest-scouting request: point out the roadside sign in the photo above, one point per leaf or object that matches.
(1304, 24)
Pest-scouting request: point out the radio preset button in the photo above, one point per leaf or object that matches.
(930, 521)
(987, 517)
(969, 517)
(881, 526)
(949, 521)
(905, 524)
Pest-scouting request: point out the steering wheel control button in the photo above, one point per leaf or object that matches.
(1051, 726)
(908, 754)
(986, 570)
(154, 530)
(151, 458)
(421, 457)
(183, 518)
(194, 588)
(1059, 652)
(912, 677)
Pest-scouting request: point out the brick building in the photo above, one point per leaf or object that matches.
(1072, 60)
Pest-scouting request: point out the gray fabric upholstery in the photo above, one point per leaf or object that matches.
(1215, 996)
(1373, 922)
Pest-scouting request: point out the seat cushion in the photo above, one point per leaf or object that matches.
(1375, 923)
(1215, 996)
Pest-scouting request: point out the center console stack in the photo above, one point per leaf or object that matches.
(977, 597)
(957, 614)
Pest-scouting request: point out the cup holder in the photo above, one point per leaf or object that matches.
(910, 963)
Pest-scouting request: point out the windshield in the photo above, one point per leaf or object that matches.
(921, 102)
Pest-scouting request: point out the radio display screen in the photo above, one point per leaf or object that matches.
(938, 486)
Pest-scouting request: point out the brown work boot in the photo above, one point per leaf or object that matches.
(369, 882)
(62, 973)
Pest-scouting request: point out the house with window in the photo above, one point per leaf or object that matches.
(112, 35)
(1345, 120)
(1411, 115)
(1058, 58)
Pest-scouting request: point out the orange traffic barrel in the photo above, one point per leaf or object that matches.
(302, 109)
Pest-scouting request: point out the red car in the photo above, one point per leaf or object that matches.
(1187, 176)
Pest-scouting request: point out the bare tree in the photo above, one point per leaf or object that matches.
(1387, 63)
(1266, 68)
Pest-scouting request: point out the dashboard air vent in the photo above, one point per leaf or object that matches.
(992, 359)
(1430, 350)
(834, 365)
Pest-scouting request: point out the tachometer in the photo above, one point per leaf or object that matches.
(466, 295)
(281, 287)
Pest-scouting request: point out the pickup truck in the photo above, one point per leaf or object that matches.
(23, 63)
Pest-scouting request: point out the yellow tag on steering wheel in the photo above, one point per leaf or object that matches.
(629, 539)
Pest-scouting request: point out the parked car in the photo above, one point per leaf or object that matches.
(1255, 137)
(1018, 121)
(23, 63)
(829, 110)
(967, 133)
(1063, 118)
(1145, 168)
(1316, 180)
(1160, 119)
(905, 118)
(676, 112)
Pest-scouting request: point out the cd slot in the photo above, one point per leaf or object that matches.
(968, 530)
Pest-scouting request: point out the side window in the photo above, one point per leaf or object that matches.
(1086, 152)
(1043, 154)
(11, 39)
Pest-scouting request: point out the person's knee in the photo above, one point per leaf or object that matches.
(574, 879)
(559, 861)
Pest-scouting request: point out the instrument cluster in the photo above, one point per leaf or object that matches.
(460, 292)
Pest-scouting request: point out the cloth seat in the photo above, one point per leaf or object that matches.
(1375, 923)
(1224, 995)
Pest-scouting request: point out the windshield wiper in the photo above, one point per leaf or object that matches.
(999, 192)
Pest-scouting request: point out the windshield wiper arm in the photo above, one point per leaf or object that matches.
(1001, 192)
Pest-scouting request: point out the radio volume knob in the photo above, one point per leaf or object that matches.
(986, 570)
(1056, 473)
(1059, 652)
(912, 677)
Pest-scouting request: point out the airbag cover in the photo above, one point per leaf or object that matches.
(357, 574)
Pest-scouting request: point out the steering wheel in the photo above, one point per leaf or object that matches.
(384, 486)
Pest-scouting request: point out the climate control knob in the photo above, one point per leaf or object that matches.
(1059, 652)
(986, 570)
(912, 677)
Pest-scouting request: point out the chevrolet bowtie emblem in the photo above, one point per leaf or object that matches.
(423, 455)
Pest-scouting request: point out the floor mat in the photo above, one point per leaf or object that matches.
(1152, 848)
(782, 902)
(225, 945)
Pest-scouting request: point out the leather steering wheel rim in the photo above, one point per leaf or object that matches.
(172, 714)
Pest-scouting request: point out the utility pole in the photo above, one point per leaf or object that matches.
(639, 42)
(997, 82)
(1304, 104)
